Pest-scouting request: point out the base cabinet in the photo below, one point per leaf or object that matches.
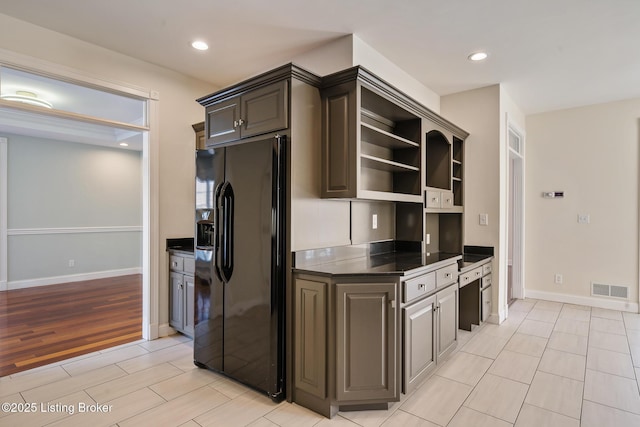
(430, 334)
(181, 288)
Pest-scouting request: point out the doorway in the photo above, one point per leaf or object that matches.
(95, 120)
(515, 213)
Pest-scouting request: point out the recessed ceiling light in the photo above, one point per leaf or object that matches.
(124, 144)
(478, 56)
(200, 45)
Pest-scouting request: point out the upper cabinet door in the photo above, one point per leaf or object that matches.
(264, 110)
(222, 121)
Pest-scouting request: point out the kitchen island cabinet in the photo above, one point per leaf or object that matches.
(362, 335)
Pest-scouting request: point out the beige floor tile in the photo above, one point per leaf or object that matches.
(181, 384)
(515, 366)
(100, 360)
(610, 362)
(48, 411)
(570, 343)
(631, 321)
(229, 388)
(503, 330)
(70, 385)
(336, 421)
(485, 345)
(240, 411)
(119, 409)
(610, 342)
(292, 415)
(606, 314)
(498, 397)
(543, 315)
(536, 328)
(157, 357)
(12, 398)
(596, 415)
(633, 337)
(524, 305)
(165, 342)
(608, 325)
(192, 423)
(563, 364)
(532, 416)
(185, 363)
(575, 313)
(32, 379)
(437, 400)
(549, 305)
(527, 344)
(370, 418)
(468, 417)
(612, 390)
(127, 384)
(570, 326)
(465, 367)
(556, 394)
(404, 419)
(178, 411)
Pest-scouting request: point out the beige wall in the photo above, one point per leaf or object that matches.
(177, 111)
(590, 153)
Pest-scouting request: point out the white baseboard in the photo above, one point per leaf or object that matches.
(46, 281)
(607, 303)
(164, 330)
(3, 285)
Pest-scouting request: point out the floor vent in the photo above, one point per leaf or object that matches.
(614, 291)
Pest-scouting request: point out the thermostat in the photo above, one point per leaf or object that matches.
(553, 194)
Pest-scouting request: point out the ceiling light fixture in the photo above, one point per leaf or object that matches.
(124, 144)
(200, 45)
(28, 98)
(478, 56)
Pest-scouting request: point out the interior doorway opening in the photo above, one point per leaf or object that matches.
(515, 214)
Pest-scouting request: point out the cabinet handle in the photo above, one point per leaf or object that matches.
(240, 122)
(448, 275)
(235, 124)
(477, 273)
(421, 286)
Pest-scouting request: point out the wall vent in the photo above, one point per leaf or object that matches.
(614, 291)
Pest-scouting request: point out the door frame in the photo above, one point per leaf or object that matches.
(516, 210)
(150, 174)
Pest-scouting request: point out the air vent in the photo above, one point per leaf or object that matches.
(614, 291)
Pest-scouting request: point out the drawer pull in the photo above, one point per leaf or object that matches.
(477, 273)
(421, 286)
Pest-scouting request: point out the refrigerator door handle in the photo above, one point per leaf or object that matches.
(218, 230)
(227, 196)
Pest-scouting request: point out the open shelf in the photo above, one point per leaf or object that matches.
(385, 165)
(374, 135)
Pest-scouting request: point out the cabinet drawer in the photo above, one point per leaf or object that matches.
(176, 263)
(486, 304)
(486, 269)
(418, 286)
(433, 199)
(446, 199)
(470, 276)
(189, 265)
(486, 281)
(446, 275)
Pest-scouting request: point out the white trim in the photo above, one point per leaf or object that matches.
(4, 163)
(518, 261)
(73, 230)
(56, 280)
(164, 330)
(607, 303)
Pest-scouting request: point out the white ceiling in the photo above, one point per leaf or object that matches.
(549, 54)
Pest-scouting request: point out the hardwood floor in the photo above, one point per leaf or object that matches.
(47, 324)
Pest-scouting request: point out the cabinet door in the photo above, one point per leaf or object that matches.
(486, 304)
(447, 309)
(189, 300)
(176, 315)
(264, 110)
(419, 350)
(366, 342)
(311, 337)
(221, 122)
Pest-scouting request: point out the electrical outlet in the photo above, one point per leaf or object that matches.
(584, 219)
(558, 279)
(72, 263)
(374, 221)
(484, 219)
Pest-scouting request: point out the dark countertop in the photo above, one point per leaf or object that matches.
(387, 264)
(180, 245)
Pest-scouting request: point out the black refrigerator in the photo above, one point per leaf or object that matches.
(240, 256)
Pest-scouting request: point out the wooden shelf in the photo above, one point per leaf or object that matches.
(390, 196)
(385, 139)
(385, 165)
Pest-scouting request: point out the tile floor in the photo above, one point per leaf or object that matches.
(549, 364)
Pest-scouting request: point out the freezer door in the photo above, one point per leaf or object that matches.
(208, 292)
(253, 324)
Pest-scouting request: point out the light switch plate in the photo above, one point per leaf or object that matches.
(484, 219)
(374, 221)
(584, 218)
